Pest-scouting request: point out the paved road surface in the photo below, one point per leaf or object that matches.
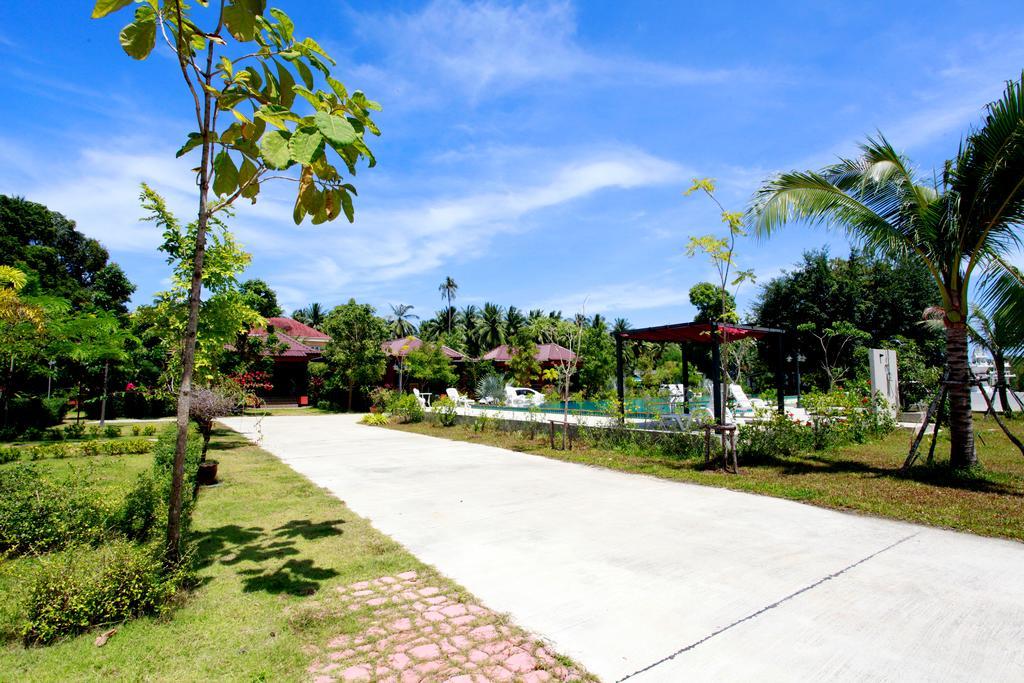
(650, 580)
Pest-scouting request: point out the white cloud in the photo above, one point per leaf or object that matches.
(488, 48)
(388, 244)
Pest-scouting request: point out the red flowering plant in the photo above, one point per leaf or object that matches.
(250, 383)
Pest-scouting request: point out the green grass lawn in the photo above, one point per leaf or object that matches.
(268, 543)
(863, 478)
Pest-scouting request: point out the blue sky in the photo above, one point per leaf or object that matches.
(535, 152)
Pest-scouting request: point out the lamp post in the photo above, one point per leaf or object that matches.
(789, 359)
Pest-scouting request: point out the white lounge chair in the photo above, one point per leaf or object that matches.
(419, 397)
(743, 402)
(457, 398)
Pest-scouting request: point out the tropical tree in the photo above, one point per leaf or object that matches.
(996, 334)
(492, 326)
(431, 365)
(260, 297)
(238, 156)
(959, 227)
(469, 321)
(401, 320)
(448, 287)
(514, 321)
(355, 354)
(312, 315)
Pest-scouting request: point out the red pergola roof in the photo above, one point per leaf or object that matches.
(701, 333)
(402, 347)
(546, 353)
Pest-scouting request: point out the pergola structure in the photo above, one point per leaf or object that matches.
(714, 334)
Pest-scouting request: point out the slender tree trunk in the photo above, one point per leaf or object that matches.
(103, 400)
(351, 390)
(961, 421)
(1000, 362)
(7, 390)
(188, 353)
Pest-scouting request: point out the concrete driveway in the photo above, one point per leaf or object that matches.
(642, 579)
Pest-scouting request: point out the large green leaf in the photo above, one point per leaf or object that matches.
(286, 82)
(274, 147)
(225, 178)
(336, 129)
(240, 20)
(246, 172)
(105, 7)
(306, 144)
(304, 73)
(139, 37)
(194, 140)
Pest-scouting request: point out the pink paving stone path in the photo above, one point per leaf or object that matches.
(419, 632)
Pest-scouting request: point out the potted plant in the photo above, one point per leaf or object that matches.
(207, 405)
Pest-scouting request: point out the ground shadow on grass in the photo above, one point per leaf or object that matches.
(258, 553)
(933, 475)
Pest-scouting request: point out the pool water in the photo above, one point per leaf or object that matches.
(635, 407)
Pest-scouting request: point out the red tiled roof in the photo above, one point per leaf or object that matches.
(295, 329)
(293, 347)
(402, 347)
(546, 353)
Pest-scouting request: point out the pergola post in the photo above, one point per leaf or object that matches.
(620, 384)
(780, 377)
(716, 374)
(686, 378)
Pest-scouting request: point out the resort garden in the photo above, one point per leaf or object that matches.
(164, 534)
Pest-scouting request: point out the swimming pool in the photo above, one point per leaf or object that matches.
(635, 407)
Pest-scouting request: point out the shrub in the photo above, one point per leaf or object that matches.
(375, 419)
(136, 430)
(36, 412)
(53, 435)
(9, 454)
(407, 408)
(84, 587)
(446, 411)
(778, 436)
(139, 511)
(75, 430)
(111, 432)
(93, 431)
(382, 398)
(491, 387)
(149, 430)
(37, 515)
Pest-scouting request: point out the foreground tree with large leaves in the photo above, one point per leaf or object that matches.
(245, 65)
(960, 229)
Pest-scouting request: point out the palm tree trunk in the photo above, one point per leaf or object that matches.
(961, 421)
(1000, 362)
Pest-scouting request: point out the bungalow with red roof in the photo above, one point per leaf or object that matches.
(297, 345)
(398, 349)
(547, 354)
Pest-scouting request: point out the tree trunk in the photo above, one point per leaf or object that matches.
(961, 421)
(188, 353)
(1000, 362)
(351, 390)
(103, 400)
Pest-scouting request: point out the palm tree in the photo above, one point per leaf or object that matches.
(492, 326)
(448, 288)
(514, 321)
(958, 229)
(621, 325)
(469, 319)
(401, 320)
(998, 336)
(312, 315)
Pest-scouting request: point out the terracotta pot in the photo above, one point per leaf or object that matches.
(207, 474)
